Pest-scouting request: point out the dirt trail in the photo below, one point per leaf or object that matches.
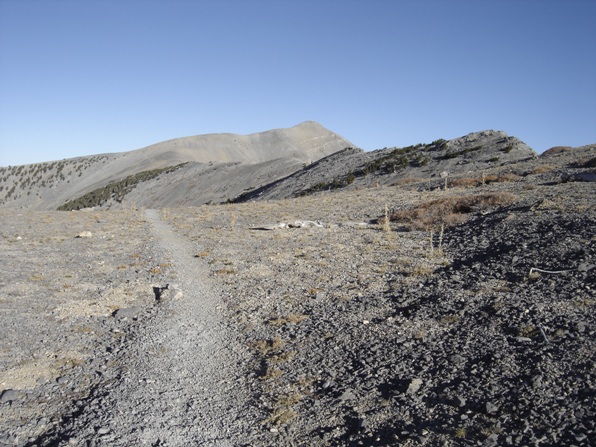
(181, 383)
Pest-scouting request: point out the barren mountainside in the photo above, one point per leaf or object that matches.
(47, 186)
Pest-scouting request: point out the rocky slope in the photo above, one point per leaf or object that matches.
(480, 152)
(46, 186)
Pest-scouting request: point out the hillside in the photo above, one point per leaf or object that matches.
(276, 164)
(473, 154)
(47, 186)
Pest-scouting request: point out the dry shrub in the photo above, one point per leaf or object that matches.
(449, 211)
(557, 150)
(542, 169)
(508, 177)
(465, 182)
(265, 347)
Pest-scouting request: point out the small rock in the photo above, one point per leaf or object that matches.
(537, 381)
(457, 359)
(84, 234)
(584, 267)
(127, 312)
(61, 380)
(7, 439)
(414, 386)
(491, 408)
(491, 441)
(460, 401)
(10, 395)
(347, 395)
(103, 431)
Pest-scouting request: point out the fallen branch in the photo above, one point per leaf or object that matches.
(533, 269)
(543, 334)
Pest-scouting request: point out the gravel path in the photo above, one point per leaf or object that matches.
(180, 383)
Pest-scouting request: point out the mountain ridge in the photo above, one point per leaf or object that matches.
(48, 185)
(270, 165)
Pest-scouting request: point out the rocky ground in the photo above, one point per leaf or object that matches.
(340, 333)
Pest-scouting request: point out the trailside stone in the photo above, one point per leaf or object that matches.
(10, 395)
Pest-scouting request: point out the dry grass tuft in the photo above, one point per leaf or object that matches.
(281, 416)
(265, 347)
(202, 254)
(282, 358)
(290, 319)
(460, 433)
(271, 373)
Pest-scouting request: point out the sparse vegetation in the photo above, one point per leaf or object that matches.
(114, 190)
(465, 182)
(461, 152)
(507, 149)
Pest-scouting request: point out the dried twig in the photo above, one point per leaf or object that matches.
(543, 334)
(534, 269)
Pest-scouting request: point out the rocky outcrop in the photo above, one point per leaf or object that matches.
(473, 154)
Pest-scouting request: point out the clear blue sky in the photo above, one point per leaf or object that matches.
(79, 77)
